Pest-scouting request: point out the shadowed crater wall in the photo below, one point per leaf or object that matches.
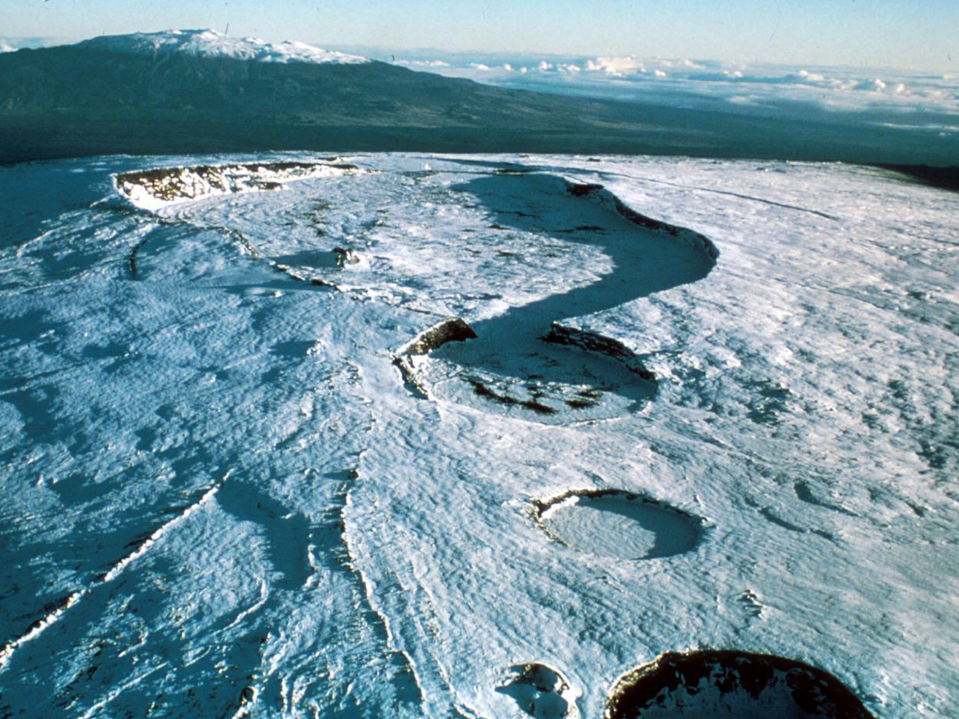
(725, 684)
(613, 523)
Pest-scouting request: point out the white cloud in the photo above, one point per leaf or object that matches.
(774, 88)
(811, 76)
(943, 129)
(617, 66)
(423, 63)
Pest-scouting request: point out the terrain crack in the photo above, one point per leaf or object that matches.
(140, 546)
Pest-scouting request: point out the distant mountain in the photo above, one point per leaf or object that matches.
(196, 91)
(208, 43)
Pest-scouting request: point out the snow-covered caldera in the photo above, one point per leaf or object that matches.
(487, 437)
(209, 43)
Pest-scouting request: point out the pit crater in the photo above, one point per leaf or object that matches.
(729, 684)
(620, 524)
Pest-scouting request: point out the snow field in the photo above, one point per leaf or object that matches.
(363, 551)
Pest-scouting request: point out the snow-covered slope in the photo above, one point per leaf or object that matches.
(209, 43)
(222, 497)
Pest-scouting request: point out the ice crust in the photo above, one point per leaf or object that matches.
(220, 498)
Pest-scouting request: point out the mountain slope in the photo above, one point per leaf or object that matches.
(69, 100)
(197, 91)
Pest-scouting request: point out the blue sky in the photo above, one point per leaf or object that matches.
(866, 33)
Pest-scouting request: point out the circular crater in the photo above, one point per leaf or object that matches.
(730, 685)
(614, 523)
(536, 381)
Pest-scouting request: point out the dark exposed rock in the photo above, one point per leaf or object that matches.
(537, 407)
(451, 330)
(593, 342)
(577, 189)
(578, 403)
(481, 390)
(345, 256)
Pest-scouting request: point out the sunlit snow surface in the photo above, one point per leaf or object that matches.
(221, 498)
(209, 43)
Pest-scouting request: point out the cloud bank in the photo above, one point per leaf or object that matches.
(920, 101)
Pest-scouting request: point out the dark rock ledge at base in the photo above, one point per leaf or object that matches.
(594, 342)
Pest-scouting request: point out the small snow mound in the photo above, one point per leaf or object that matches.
(209, 43)
(541, 692)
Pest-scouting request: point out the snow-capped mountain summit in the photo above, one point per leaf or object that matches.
(209, 43)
